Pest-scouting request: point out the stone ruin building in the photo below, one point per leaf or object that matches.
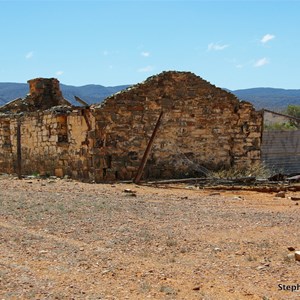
(201, 126)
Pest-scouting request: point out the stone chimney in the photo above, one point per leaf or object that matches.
(45, 93)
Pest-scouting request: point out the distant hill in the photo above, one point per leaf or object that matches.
(270, 98)
(90, 93)
(11, 91)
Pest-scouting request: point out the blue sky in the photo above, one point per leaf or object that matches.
(232, 44)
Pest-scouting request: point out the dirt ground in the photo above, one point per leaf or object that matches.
(62, 239)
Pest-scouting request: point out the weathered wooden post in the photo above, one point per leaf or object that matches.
(19, 150)
(139, 173)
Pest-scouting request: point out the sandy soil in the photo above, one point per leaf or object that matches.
(62, 239)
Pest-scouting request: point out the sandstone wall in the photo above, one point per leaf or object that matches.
(52, 144)
(202, 126)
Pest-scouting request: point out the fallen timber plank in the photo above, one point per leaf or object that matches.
(261, 189)
(216, 181)
(294, 178)
(177, 180)
(212, 184)
(264, 189)
(82, 102)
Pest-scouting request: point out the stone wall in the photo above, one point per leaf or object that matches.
(53, 143)
(202, 126)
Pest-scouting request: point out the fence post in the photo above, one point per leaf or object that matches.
(19, 150)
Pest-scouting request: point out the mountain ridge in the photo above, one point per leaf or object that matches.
(270, 98)
(261, 97)
(91, 93)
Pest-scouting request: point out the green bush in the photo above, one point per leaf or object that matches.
(294, 111)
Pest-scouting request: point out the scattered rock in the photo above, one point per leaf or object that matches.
(129, 191)
(262, 267)
(280, 194)
(238, 198)
(291, 249)
(297, 255)
(295, 198)
(190, 187)
(214, 194)
(290, 257)
(131, 195)
(196, 288)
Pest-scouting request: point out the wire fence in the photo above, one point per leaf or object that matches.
(191, 164)
(280, 151)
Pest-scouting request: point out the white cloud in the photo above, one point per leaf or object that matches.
(261, 62)
(146, 69)
(58, 73)
(266, 38)
(216, 47)
(29, 55)
(145, 54)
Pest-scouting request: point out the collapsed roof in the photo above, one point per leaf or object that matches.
(44, 93)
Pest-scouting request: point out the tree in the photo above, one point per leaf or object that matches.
(294, 111)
